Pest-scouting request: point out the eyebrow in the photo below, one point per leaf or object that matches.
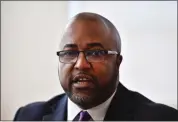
(89, 45)
(95, 45)
(70, 46)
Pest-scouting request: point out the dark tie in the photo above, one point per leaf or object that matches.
(83, 116)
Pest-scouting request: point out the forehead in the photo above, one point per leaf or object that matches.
(84, 32)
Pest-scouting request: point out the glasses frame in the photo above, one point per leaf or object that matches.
(109, 52)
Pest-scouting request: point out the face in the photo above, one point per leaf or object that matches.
(88, 83)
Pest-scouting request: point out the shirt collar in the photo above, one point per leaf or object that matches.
(72, 110)
(97, 113)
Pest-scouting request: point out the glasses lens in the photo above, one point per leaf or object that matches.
(68, 56)
(95, 55)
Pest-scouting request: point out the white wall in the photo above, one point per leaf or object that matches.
(29, 32)
(148, 31)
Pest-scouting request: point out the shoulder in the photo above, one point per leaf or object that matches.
(149, 110)
(135, 106)
(156, 111)
(36, 110)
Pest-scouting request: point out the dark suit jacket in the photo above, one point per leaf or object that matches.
(126, 105)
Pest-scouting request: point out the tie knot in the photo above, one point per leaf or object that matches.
(84, 116)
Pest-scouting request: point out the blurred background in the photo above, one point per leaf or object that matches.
(31, 32)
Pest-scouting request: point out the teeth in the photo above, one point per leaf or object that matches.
(81, 82)
(83, 79)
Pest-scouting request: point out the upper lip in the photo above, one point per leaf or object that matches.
(82, 76)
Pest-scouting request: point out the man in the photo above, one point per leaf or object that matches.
(89, 63)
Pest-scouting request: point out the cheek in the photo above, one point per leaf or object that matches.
(104, 73)
(64, 74)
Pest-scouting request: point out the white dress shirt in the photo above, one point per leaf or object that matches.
(97, 113)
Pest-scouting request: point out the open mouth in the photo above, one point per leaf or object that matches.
(83, 81)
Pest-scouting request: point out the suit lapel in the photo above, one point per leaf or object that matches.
(121, 107)
(58, 111)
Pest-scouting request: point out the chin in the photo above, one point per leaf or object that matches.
(83, 101)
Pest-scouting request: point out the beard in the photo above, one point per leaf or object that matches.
(84, 98)
(97, 95)
(82, 101)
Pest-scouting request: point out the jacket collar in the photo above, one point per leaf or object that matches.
(57, 109)
(122, 105)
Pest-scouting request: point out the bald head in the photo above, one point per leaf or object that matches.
(106, 24)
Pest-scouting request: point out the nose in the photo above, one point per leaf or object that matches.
(82, 62)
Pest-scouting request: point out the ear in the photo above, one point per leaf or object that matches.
(118, 61)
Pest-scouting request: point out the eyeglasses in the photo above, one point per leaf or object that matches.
(71, 56)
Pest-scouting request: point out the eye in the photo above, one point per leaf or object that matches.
(96, 53)
(68, 53)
